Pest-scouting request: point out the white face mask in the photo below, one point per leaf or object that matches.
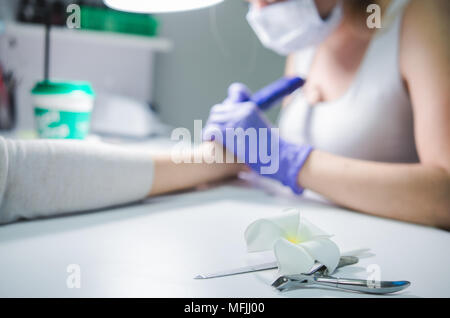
(292, 25)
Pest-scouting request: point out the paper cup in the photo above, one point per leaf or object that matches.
(62, 110)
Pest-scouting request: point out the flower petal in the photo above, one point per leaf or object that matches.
(324, 251)
(289, 221)
(262, 234)
(308, 231)
(292, 258)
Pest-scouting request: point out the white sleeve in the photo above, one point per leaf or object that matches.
(49, 177)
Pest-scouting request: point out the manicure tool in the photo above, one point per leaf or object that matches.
(343, 261)
(283, 283)
(267, 96)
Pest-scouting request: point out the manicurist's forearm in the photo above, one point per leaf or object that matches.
(408, 192)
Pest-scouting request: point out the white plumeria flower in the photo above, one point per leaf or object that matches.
(296, 242)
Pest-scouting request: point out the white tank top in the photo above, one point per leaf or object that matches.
(373, 120)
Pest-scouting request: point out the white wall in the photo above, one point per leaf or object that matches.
(213, 48)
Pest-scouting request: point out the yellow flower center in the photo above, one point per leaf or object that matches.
(293, 239)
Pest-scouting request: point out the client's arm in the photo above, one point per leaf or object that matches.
(170, 176)
(50, 177)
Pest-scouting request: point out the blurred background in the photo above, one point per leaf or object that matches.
(167, 68)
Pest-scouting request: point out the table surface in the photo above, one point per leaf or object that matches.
(155, 248)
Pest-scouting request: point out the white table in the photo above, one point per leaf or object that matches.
(155, 249)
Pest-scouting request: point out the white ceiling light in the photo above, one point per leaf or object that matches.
(158, 6)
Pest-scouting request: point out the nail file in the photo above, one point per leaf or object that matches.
(269, 95)
(343, 261)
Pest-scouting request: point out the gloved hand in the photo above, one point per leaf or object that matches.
(243, 129)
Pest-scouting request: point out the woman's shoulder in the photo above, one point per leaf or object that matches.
(425, 23)
(427, 15)
(424, 33)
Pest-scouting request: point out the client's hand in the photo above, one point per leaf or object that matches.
(242, 128)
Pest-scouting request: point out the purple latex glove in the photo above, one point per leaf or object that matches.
(244, 131)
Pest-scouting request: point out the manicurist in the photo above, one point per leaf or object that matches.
(369, 130)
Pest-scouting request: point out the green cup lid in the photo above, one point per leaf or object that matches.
(54, 88)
